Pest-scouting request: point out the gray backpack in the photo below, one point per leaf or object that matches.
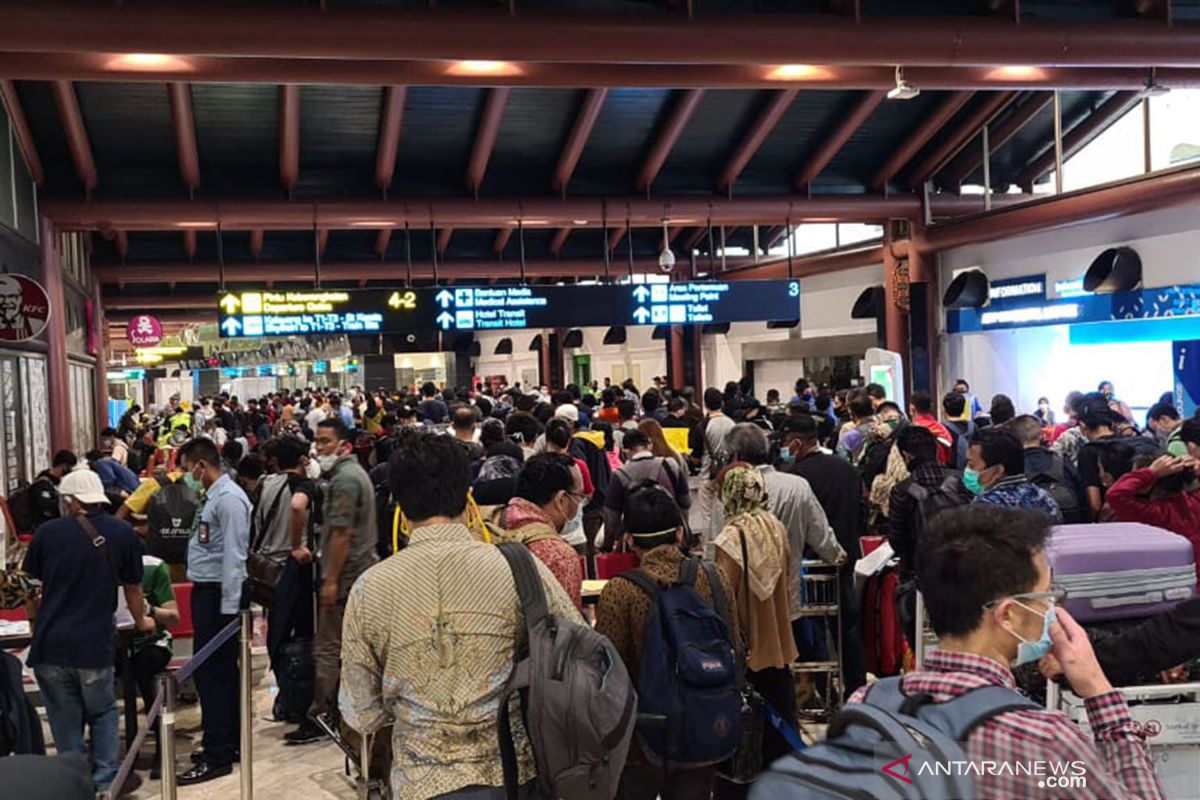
(577, 701)
(888, 748)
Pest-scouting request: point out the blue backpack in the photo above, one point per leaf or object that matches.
(689, 682)
(889, 747)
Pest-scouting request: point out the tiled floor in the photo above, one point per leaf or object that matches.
(309, 772)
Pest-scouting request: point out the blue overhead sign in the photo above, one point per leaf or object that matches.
(281, 313)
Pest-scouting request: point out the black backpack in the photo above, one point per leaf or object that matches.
(1055, 482)
(34, 504)
(928, 504)
(889, 747)
(169, 520)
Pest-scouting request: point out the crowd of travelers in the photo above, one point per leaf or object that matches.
(417, 552)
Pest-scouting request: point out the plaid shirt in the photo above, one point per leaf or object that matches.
(1118, 763)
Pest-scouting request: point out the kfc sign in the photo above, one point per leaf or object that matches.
(24, 308)
(145, 331)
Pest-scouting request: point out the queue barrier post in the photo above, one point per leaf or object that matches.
(247, 707)
(166, 734)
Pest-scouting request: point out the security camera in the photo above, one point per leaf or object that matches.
(666, 260)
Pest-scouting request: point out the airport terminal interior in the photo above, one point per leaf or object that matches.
(599, 399)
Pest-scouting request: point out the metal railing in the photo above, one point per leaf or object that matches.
(165, 704)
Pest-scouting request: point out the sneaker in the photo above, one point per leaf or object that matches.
(307, 733)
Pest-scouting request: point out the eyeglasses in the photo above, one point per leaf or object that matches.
(578, 498)
(1055, 596)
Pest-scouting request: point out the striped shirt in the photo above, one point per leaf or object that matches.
(1118, 762)
(427, 647)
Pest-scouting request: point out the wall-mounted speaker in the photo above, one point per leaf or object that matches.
(1117, 269)
(969, 289)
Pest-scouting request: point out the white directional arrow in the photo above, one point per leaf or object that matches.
(444, 298)
(231, 326)
(445, 320)
(641, 293)
(230, 303)
(641, 315)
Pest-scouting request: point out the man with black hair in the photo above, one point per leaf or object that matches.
(524, 430)
(111, 444)
(1050, 470)
(1163, 419)
(117, 478)
(654, 530)
(216, 566)
(464, 425)
(43, 491)
(707, 442)
(987, 589)
(961, 430)
(430, 635)
(549, 495)
(836, 485)
(921, 411)
(995, 474)
(431, 408)
(1160, 492)
(652, 406)
(972, 408)
(929, 487)
(640, 465)
(877, 394)
(349, 537)
(1189, 434)
(676, 416)
(862, 415)
(627, 411)
(1099, 425)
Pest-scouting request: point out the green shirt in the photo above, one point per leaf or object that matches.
(156, 585)
(1175, 445)
(350, 503)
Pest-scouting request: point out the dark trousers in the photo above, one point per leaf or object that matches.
(217, 678)
(778, 689)
(646, 782)
(854, 659)
(291, 613)
(146, 664)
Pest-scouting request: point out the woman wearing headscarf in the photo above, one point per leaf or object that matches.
(752, 549)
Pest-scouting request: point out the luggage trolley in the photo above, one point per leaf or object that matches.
(821, 602)
(927, 640)
(1168, 713)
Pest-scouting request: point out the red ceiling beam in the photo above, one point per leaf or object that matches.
(322, 241)
(807, 266)
(189, 245)
(767, 119)
(577, 139)
(383, 240)
(1013, 124)
(920, 137)
(185, 135)
(302, 271)
(390, 123)
(121, 242)
(837, 138)
(954, 141)
(21, 132)
(248, 214)
(77, 138)
(1078, 137)
(502, 237)
(348, 32)
(1160, 190)
(256, 243)
(289, 136)
(560, 239)
(681, 114)
(206, 69)
(485, 137)
(615, 236)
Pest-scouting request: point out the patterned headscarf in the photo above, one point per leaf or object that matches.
(743, 490)
(744, 496)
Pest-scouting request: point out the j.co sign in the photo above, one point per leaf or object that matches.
(145, 331)
(24, 308)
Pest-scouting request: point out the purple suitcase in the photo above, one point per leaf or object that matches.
(1121, 570)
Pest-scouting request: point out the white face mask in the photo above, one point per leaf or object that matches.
(326, 462)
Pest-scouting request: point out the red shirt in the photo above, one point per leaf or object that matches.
(941, 433)
(1179, 514)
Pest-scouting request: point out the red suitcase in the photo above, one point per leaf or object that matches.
(610, 565)
(883, 637)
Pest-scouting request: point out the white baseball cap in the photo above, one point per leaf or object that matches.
(568, 412)
(84, 485)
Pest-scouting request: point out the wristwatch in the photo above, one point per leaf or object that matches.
(150, 609)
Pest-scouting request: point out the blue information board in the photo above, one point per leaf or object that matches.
(267, 312)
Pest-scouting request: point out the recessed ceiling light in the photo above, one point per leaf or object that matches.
(796, 72)
(149, 62)
(580, 221)
(1016, 73)
(373, 223)
(483, 68)
(195, 225)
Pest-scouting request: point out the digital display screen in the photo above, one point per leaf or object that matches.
(369, 311)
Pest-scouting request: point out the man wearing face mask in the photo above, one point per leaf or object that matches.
(988, 593)
(216, 565)
(995, 474)
(641, 465)
(348, 540)
(548, 497)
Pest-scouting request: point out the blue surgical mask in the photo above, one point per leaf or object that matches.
(575, 523)
(786, 456)
(1033, 651)
(970, 480)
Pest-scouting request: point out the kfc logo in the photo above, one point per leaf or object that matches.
(24, 308)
